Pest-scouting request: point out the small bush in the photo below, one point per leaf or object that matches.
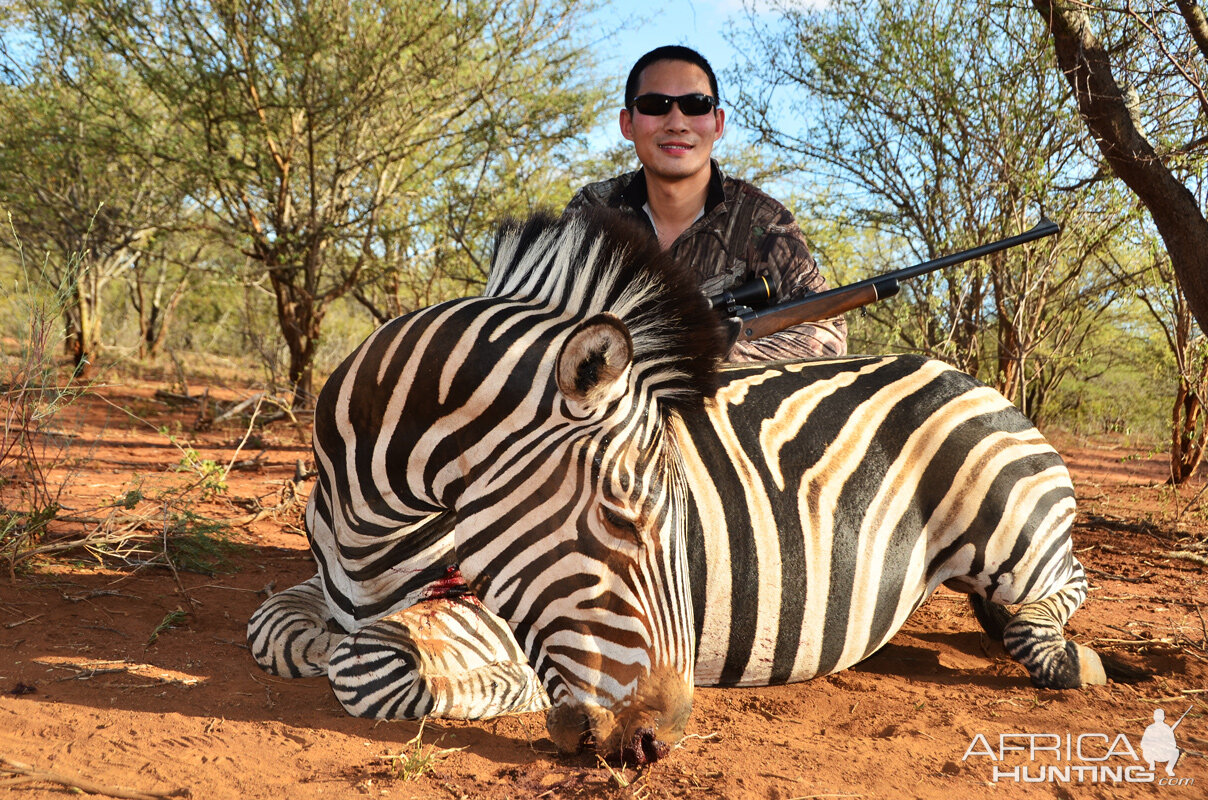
(34, 392)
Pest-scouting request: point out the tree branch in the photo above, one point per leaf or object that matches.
(1174, 210)
(1196, 24)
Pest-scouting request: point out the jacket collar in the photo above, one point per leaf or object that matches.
(635, 194)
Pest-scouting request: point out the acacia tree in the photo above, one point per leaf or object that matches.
(81, 193)
(303, 120)
(1144, 265)
(439, 244)
(1151, 126)
(930, 124)
(157, 287)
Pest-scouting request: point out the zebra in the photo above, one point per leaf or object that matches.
(553, 495)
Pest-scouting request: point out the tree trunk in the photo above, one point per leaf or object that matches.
(82, 327)
(300, 319)
(1174, 210)
(1009, 361)
(154, 314)
(1188, 434)
(301, 362)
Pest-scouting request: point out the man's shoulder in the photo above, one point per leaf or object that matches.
(607, 193)
(743, 191)
(757, 204)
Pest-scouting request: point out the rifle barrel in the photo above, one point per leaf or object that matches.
(854, 295)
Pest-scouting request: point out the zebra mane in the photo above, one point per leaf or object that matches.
(597, 260)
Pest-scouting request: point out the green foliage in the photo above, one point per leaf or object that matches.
(171, 620)
(332, 142)
(34, 393)
(932, 128)
(88, 193)
(199, 544)
(1113, 388)
(210, 475)
(129, 499)
(279, 157)
(416, 759)
(20, 532)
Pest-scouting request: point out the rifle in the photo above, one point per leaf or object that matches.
(854, 295)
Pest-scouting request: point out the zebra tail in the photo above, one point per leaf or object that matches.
(1122, 672)
(992, 617)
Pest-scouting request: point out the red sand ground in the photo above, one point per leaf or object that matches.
(86, 694)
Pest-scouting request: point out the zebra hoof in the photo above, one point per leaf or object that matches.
(1090, 667)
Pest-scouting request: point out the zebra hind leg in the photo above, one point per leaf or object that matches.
(1033, 635)
(446, 657)
(292, 634)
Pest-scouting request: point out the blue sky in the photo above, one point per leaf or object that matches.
(696, 23)
(699, 24)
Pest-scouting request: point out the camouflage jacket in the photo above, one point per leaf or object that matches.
(743, 233)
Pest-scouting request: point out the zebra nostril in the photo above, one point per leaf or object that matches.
(571, 729)
(644, 748)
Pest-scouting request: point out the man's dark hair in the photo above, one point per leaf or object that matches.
(670, 52)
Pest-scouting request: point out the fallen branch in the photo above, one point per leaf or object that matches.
(172, 398)
(287, 499)
(1136, 636)
(23, 621)
(1112, 577)
(1187, 556)
(17, 768)
(250, 427)
(703, 737)
(256, 398)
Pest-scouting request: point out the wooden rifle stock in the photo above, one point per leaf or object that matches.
(834, 302)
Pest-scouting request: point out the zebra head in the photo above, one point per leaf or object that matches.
(569, 526)
(539, 414)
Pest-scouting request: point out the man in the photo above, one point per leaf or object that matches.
(729, 231)
(1158, 745)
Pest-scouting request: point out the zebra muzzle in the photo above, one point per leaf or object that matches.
(599, 733)
(638, 731)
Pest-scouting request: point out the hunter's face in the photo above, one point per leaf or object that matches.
(673, 146)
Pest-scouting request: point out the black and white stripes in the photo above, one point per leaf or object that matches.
(641, 518)
(853, 488)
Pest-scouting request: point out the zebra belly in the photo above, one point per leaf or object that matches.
(828, 499)
(756, 632)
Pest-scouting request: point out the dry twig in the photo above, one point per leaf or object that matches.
(19, 769)
(1187, 556)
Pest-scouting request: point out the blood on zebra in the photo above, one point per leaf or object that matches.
(452, 585)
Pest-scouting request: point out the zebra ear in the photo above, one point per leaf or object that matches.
(593, 360)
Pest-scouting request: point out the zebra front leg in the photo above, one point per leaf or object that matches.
(292, 634)
(448, 657)
(1033, 634)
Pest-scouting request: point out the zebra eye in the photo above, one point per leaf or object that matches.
(620, 526)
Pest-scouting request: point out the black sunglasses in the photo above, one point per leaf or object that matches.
(692, 105)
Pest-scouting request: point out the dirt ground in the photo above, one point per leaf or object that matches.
(137, 681)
